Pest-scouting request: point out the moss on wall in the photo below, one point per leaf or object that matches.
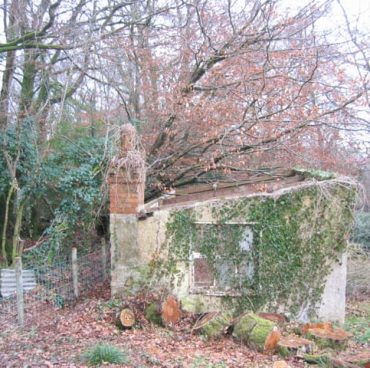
(297, 237)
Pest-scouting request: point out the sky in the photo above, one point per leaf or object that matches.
(358, 12)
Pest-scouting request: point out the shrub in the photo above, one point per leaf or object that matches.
(358, 271)
(104, 353)
(361, 231)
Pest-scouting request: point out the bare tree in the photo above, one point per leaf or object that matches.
(219, 87)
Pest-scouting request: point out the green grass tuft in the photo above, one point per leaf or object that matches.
(104, 353)
(360, 328)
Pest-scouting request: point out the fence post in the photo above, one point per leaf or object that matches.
(75, 272)
(19, 288)
(104, 258)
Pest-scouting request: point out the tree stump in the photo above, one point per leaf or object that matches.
(257, 332)
(126, 318)
(213, 325)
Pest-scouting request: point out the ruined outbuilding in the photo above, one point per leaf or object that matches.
(272, 242)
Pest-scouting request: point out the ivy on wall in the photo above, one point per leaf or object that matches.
(297, 237)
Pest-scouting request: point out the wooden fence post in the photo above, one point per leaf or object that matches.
(19, 288)
(104, 258)
(75, 272)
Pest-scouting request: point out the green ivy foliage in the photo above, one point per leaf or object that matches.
(20, 143)
(72, 183)
(296, 238)
(19, 181)
(61, 186)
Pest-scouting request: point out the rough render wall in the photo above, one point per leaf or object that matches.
(333, 303)
(125, 251)
(136, 242)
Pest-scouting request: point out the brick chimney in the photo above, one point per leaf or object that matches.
(126, 192)
(127, 175)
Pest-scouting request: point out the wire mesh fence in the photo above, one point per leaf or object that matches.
(49, 287)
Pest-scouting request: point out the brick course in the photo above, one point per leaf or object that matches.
(126, 193)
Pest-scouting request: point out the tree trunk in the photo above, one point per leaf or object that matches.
(28, 83)
(5, 89)
(17, 248)
(5, 224)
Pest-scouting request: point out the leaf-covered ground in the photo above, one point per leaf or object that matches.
(58, 337)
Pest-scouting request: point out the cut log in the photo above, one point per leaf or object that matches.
(257, 332)
(272, 341)
(171, 312)
(294, 345)
(273, 317)
(153, 314)
(361, 359)
(328, 326)
(281, 364)
(321, 360)
(326, 336)
(213, 325)
(126, 318)
(326, 360)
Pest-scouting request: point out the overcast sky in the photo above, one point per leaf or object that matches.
(358, 12)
